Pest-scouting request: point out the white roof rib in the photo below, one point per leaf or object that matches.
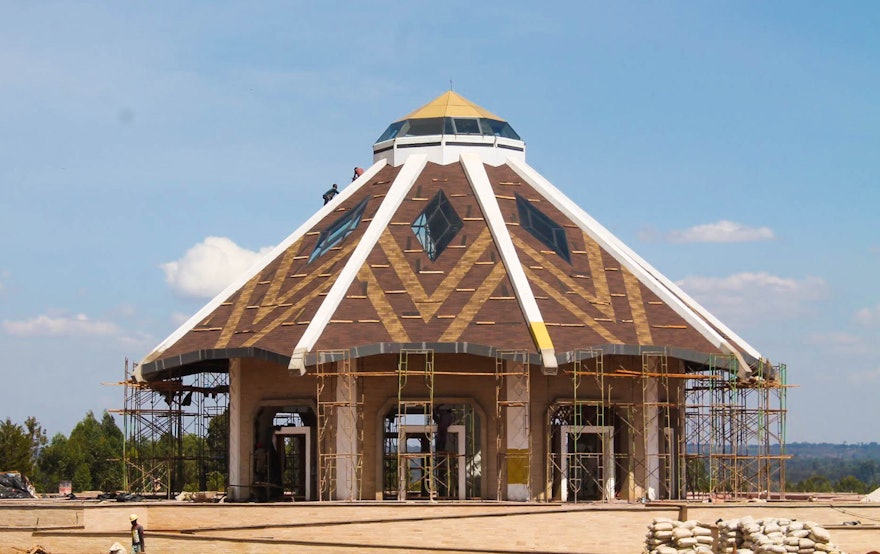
(476, 174)
(260, 265)
(678, 300)
(396, 193)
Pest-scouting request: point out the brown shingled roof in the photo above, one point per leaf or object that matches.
(462, 300)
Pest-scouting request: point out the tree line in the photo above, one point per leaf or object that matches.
(832, 474)
(92, 456)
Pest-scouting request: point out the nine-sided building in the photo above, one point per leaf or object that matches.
(452, 326)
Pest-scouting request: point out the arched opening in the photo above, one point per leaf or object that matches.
(432, 455)
(581, 452)
(284, 456)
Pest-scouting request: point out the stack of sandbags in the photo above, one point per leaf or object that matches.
(773, 536)
(730, 535)
(667, 536)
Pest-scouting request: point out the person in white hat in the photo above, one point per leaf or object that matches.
(117, 548)
(137, 535)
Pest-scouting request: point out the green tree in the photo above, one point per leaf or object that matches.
(36, 435)
(91, 458)
(217, 445)
(16, 452)
(815, 483)
(850, 483)
(20, 446)
(54, 465)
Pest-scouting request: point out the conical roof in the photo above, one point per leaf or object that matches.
(450, 104)
(464, 257)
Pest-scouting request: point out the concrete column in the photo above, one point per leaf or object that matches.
(517, 430)
(652, 439)
(346, 437)
(238, 460)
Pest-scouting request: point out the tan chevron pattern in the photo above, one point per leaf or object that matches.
(401, 296)
(383, 308)
(469, 311)
(581, 315)
(601, 299)
(637, 306)
(271, 297)
(273, 300)
(429, 304)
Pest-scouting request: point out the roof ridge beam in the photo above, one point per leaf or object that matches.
(401, 186)
(260, 264)
(479, 181)
(678, 300)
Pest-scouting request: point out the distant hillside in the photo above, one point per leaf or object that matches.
(840, 467)
(856, 451)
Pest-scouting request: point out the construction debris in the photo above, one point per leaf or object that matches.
(15, 485)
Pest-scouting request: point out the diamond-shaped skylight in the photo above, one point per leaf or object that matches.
(338, 230)
(436, 225)
(542, 228)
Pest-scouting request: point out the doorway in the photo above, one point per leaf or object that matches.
(431, 454)
(586, 454)
(294, 445)
(284, 455)
(429, 474)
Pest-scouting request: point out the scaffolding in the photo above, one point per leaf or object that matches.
(416, 432)
(580, 442)
(176, 433)
(340, 400)
(735, 431)
(655, 436)
(646, 431)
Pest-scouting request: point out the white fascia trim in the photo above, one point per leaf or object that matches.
(683, 304)
(262, 263)
(476, 175)
(396, 193)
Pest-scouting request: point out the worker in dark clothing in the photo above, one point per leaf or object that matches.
(443, 417)
(137, 535)
(328, 196)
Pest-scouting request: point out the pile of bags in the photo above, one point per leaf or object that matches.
(667, 536)
(739, 536)
(773, 536)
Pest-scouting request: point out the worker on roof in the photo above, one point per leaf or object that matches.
(328, 196)
(358, 171)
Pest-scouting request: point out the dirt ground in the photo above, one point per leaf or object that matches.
(76, 526)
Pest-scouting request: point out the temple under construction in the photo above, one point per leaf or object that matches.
(452, 326)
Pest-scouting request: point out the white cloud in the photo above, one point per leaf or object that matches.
(751, 296)
(868, 376)
(838, 342)
(868, 316)
(138, 341)
(179, 318)
(76, 326)
(208, 267)
(722, 231)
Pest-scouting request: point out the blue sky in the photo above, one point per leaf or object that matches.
(147, 150)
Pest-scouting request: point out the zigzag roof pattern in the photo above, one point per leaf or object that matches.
(378, 290)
